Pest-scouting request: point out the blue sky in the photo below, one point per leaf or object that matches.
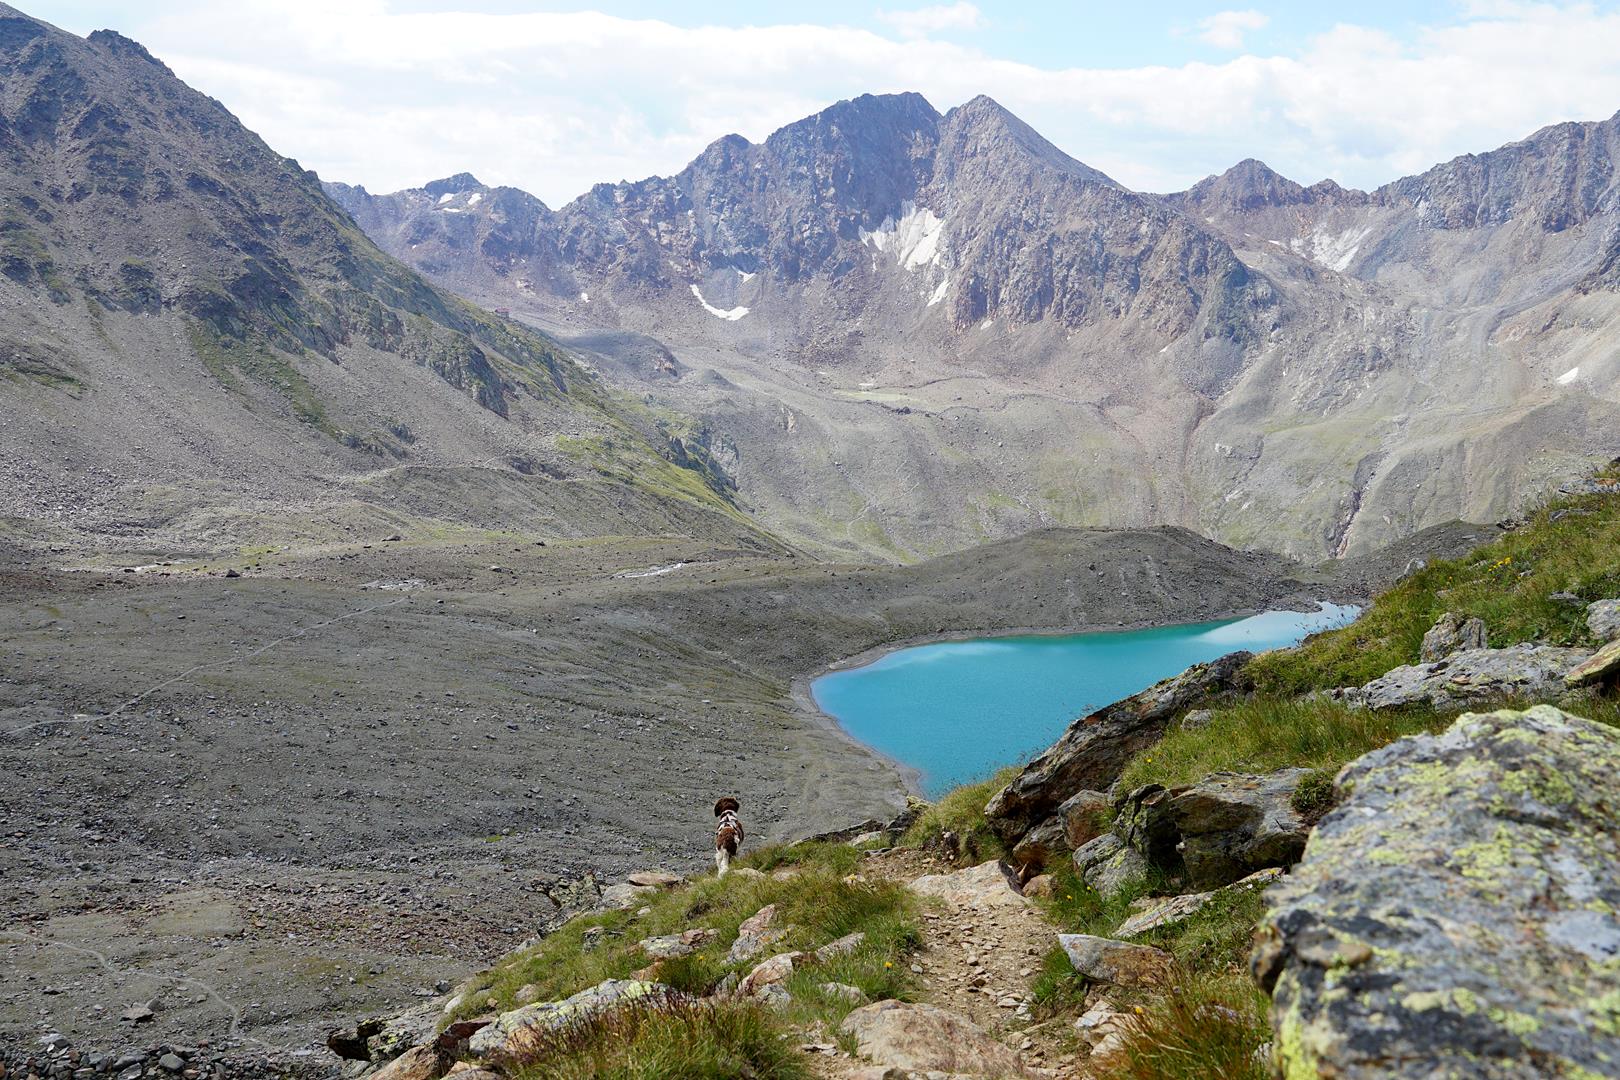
(554, 97)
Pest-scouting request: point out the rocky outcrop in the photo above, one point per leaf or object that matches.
(1217, 831)
(1094, 750)
(926, 1038)
(1117, 963)
(1472, 676)
(1455, 915)
(511, 1030)
(1452, 633)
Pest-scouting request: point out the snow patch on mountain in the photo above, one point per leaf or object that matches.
(1569, 376)
(939, 291)
(913, 239)
(730, 314)
(1334, 251)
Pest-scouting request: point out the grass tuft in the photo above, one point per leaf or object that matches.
(1203, 1028)
(961, 811)
(1268, 733)
(689, 1039)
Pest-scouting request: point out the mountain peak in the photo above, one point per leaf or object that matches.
(1249, 185)
(453, 185)
(985, 126)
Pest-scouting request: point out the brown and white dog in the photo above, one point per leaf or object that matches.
(728, 834)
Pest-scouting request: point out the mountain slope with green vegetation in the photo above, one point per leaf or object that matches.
(194, 324)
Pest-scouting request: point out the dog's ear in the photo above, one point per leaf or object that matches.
(727, 803)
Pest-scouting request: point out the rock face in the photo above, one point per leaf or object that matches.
(1095, 748)
(1452, 633)
(1117, 963)
(926, 1038)
(1474, 675)
(1456, 914)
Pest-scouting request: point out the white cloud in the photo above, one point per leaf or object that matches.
(1226, 29)
(555, 102)
(920, 22)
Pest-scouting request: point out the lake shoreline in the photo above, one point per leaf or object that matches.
(805, 704)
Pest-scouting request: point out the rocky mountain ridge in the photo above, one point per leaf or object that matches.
(1314, 369)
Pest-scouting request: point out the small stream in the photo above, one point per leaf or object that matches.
(958, 710)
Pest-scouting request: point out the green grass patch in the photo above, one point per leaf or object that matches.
(819, 903)
(692, 1040)
(962, 812)
(1508, 583)
(1204, 1027)
(1268, 733)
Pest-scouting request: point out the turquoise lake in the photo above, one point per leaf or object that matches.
(958, 710)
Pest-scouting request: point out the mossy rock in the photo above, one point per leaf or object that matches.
(1456, 913)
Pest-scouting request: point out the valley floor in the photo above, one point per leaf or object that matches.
(270, 789)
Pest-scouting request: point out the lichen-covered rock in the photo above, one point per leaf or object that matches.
(1094, 750)
(1603, 667)
(1451, 633)
(1117, 963)
(674, 946)
(1475, 675)
(1603, 619)
(511, 1030)
(1107, 865)
(1456, 914)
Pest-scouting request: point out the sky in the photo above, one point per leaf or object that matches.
(555, 97)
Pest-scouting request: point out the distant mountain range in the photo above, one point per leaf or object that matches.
(904, 331)
(882, 332)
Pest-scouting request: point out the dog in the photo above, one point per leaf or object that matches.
(728, 834)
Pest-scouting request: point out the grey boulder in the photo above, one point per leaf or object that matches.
(1452, 633)
(1603, 619)
(1475, 675)
(1456, 914)
(1217, 831)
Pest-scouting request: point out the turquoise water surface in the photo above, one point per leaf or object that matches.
(959, 710)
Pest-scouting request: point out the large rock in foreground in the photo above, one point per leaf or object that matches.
(1456, 915)
(1096, 748)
